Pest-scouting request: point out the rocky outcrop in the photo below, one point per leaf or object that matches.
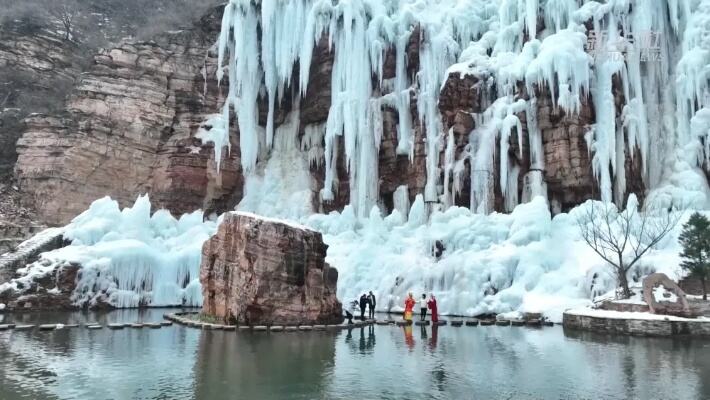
(37, 68)
(665, 297)
(261, 271)
(52, 291)
(129, 129)
(29, 250)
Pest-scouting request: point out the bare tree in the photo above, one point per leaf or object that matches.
(621, 238)
(65, 12)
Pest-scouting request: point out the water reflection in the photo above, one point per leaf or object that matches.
(365, 362)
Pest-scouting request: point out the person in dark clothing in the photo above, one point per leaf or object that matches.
(363, 305)
(373, 303)
(349, 317)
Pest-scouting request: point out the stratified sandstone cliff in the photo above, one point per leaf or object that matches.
(261, 271)
(128, 129)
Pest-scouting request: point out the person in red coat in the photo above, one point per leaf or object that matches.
(434, 312)
(408, 307)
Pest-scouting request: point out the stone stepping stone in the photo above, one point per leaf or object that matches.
(548, 323)
(166, 323)
(244, 327)
(230, 328)
(457, 323)
(305, 328)
(291, 329)
(115, 326)
(487, 322)
(207, 327)
(421, 323)
(276, 328)
(403, 323)
(382, 323)
(472, 323)
(4, 327)
(71, 325)
(533, 322)
(29, 327)
(517, 322)
(442, 323)
(260, 328)
(137, 326)
(154, 325)
(318, 327)
(94, 327)
(503, 322)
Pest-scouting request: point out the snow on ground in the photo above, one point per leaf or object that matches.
(129, 256)
(589, 312)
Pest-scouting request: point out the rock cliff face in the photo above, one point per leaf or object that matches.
(259, 271)
(128, 129)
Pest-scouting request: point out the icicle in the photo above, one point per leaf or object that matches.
(400, 199)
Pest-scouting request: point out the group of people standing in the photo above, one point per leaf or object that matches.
(367, 301)
(424, 305)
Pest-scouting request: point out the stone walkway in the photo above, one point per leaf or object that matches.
(186, 320)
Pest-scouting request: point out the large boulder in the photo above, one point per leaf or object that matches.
(664, 296)
(263, 271)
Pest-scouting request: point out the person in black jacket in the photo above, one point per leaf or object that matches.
(373, 302)
(363, 304)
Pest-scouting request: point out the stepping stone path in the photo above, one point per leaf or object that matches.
(533, 322)
(517, 322)
(137, 326)
(276, 328)
(260, 328)
(28, 327)
(71, 325)
(94, 327)
(291, 329)
(4, 327)
(422, 323)
(166, 323)
(154, 325)
(318, 327)
(487, 322)
(115, 326)
(305, 328)
(230, 328)
(244, 328)
(548, 323)
(382, 322)
(503, 322)
(472, 323)
(441, 323)
(457, 323)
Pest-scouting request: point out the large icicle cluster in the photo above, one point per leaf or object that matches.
(359, 33)
(128, 257)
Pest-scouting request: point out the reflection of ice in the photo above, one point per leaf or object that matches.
(78, 363)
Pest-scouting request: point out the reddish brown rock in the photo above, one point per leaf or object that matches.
(678, 306)
(261, 271)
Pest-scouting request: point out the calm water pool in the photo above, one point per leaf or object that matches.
(368, 363)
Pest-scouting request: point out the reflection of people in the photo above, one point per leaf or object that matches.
(409, 307)
(434, 336)
(422, 306)
(434, 311)
(408, 336)
(373, 302)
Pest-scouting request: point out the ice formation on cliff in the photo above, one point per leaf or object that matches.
(129, 257)
(642, 64)
(653, 55)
